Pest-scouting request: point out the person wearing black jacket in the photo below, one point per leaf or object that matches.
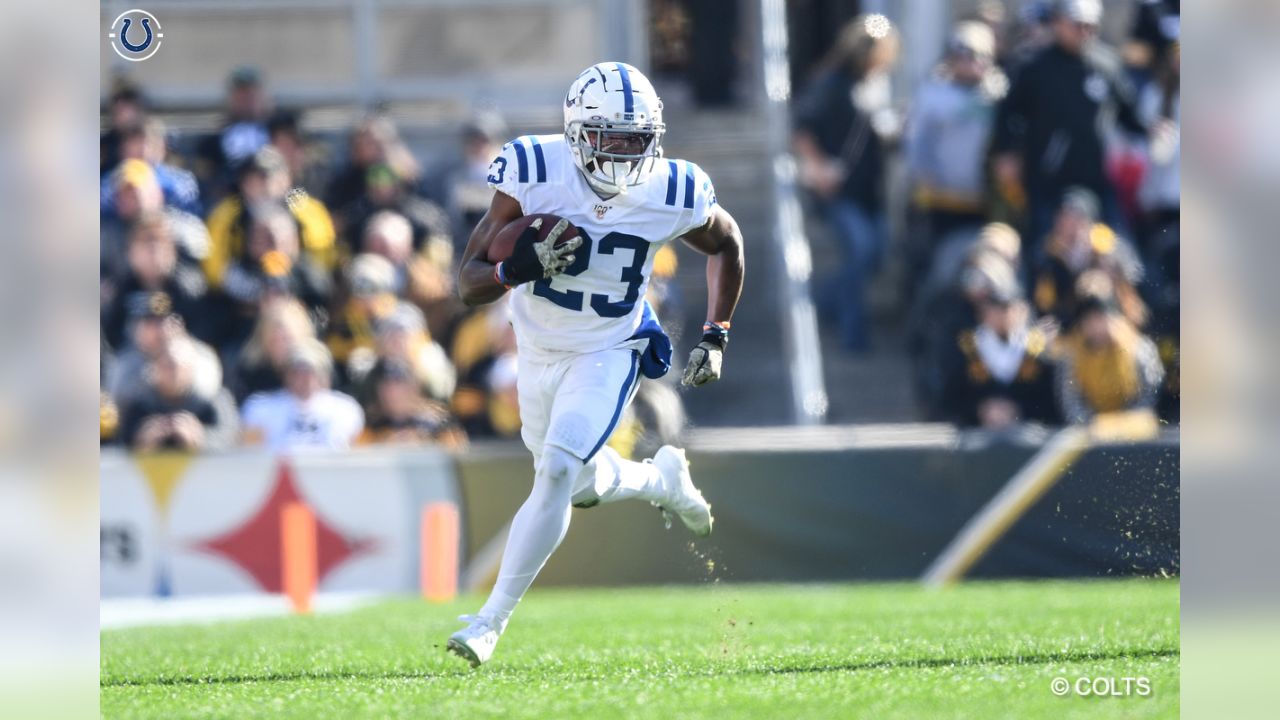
(1000, 373)
(1049, 129)
(170, 414)
(152, 265)
(842, 123)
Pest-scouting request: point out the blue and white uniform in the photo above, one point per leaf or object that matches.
(587, 335)
(583, 334)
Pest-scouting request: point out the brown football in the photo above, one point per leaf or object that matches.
(504, 243)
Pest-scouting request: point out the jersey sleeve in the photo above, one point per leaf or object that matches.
(689, 190)
(504, 172)
(521, 164)
(704, 197)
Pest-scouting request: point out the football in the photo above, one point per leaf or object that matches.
(505, 242)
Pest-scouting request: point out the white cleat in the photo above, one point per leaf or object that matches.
(475, 642)
(684, 500)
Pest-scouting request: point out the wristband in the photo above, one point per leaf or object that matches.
(716, 328)
(716, 333)
(500, 277)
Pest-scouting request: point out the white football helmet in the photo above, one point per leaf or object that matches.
(613, 123)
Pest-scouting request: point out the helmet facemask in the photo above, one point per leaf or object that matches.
(615, 156)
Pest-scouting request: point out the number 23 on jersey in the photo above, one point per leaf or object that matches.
(632, 275)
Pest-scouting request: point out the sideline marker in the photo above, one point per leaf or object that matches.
(438, 552)
(299, 559)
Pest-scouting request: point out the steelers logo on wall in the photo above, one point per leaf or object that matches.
(135, 35)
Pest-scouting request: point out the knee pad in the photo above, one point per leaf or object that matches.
(559, 467)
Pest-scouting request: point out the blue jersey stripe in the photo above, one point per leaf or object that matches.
(522, 159)
(688, 185)
(671, 183)
(623, 396)
(538, 158)
(627, 98)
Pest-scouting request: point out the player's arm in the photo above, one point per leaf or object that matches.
(480, 281)
(721, 241)
(476, 282)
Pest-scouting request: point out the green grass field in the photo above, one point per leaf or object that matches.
(981, 650)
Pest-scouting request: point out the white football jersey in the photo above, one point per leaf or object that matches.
(328, 419)
(597, 302)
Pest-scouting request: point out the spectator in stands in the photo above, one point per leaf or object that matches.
(1077, 244)
(137, 193)
(1000, 372)
(995, 17)
(306, 414)
(108, 419)
(401, 414)
(842, 124)
(150, 327)
(284, 132)
(265, 181)
(283, 324)
(424, 278)
(384, 190)
(1156, 29)
(371, 289)
(375, 141)
(147, 141)
(946, 311)
(271, 264)
(460, 184)
(171, 414)
(485, 352)
(152, 266)
(1049, 129)
(1031, 33)
(1160, 200)
(1106, 365)
(243, 133)
(949, 131)
(402, 338)
(127, 108)
(1165, 300)
(950, 260)
(1160, 194)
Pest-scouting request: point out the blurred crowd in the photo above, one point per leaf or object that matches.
(1041, 237)
(259, 288)
(263, 285)
(267, 287)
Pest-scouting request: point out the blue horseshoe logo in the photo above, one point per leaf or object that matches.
(124, 35)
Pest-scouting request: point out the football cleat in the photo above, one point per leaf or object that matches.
(683, 499)
(475, 642)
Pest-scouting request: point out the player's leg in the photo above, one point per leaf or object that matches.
(538, 526)
(608, 477)
(663, 481)
(536, 531)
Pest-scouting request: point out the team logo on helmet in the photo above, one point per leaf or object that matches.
(135, 35)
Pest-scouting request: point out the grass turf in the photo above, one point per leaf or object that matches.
(980, 650)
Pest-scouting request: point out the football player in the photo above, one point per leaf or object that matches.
(585, 332)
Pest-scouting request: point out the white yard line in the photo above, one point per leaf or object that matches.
(114, 613)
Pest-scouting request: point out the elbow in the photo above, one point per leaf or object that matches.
(732, 246)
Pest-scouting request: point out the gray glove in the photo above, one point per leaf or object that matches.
(536, 259)
(704, 363)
